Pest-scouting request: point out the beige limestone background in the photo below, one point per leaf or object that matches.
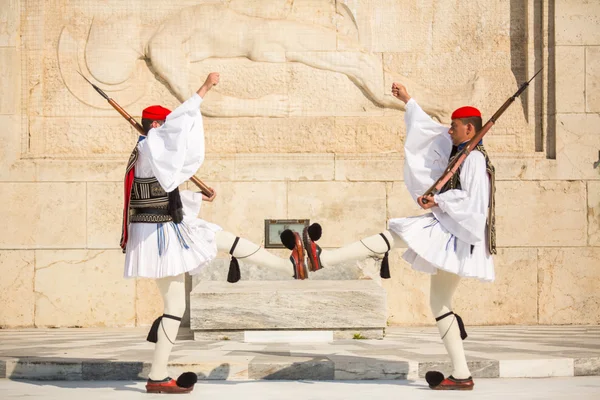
(334, 156)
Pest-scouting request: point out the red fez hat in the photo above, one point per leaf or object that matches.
(155, 113)
(466, 112)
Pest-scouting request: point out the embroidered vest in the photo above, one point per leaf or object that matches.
(146, 201)
(454, 183)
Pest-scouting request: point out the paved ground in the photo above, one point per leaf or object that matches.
(405, 353)
(580, 388)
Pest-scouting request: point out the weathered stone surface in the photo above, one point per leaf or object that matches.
(593, 213)
(102, 296)
(577, 144)
(42, 215)
(400, 203)
(592, 77)
(11, 167)
(587, 366)
(407, 293)
(335, 205)
(369, 167)
(16, 288)
(283, 167)
(75, 137)
(43, 371)
(568, 281)
(510, 300)
(383, 367)
(369, 134)
(104, 214)
(10, 79)
(577, 22)
(242, 207)
(292, 368)
(570, 88)
(9, 23)
(543, 213)
(217, 167)
(232, 370)
(78, 170)
(316, 92)
(148, 301)
(114, 371)
(287, 305)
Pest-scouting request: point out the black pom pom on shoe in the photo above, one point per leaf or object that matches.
(434, 378)
(314, 232)
(187, 380)
(288, 239)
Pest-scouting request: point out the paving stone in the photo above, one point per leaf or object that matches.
(111, 371)
(49, 370)
(587, 366)
(308, 369)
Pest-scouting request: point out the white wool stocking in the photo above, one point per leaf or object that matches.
(253, 253)
(370, 246)
(443, 285)
(172, 290)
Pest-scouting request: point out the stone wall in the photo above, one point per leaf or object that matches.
(289, 135)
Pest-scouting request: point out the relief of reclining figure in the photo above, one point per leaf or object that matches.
(206, 31)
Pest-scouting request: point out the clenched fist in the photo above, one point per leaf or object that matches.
(211, 80)
(399, 92)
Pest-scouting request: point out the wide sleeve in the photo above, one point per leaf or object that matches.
(426, 150)
(177, 147)
(467, 207)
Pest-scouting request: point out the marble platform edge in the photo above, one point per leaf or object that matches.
(326, 367)
(338, 334)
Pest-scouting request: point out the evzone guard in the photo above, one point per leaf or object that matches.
(457, 238)
(162, 236)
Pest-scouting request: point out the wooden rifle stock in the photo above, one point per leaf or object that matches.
(201, 185)
(460, 157)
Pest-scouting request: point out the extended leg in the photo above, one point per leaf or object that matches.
(251, 252)
(367, 247)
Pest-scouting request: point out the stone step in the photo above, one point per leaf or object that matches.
(324, 367)
(346, 307)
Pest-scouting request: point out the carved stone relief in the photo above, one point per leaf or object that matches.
(284, 58)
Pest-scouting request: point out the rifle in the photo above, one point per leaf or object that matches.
(453, 166)
(201, 185)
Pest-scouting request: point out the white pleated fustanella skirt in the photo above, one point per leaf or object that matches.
(432, 247)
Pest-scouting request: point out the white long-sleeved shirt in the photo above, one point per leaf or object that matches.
(427, 148)
(174, 151)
